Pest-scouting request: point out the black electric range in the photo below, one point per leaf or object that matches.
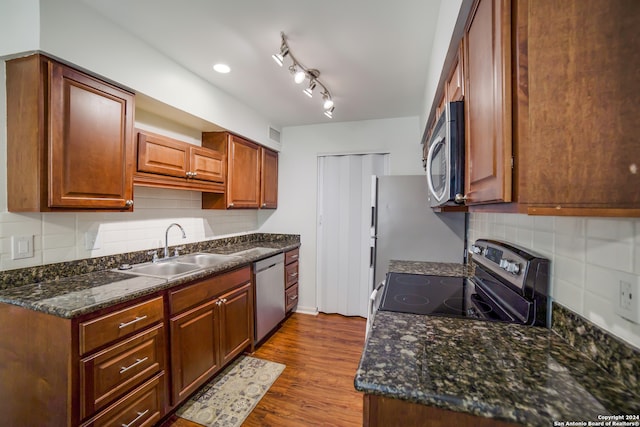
(510, 284)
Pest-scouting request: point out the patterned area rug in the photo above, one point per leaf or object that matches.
(231, 396)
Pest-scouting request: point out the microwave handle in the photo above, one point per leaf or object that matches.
(429, 155)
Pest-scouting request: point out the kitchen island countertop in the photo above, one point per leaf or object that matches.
(514, 373)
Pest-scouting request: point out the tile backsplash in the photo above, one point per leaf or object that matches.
(589, 257)
(60, 237)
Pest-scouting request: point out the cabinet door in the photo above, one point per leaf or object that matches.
(162, 155)
(206, 165)
(90, 142)
(487, 62)
(243, 187)
(455, 83)
(236, 322)
(583, 107)
(269, 179)
(194, 349)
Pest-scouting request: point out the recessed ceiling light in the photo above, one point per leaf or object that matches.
(222, 68)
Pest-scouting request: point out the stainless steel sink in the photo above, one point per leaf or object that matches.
(163, 269)
(206, 259)
(178, 266)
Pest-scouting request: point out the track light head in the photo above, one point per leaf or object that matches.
(309, 90)
(329, 112)
(328, 102)
(300, 73)
(284, 51)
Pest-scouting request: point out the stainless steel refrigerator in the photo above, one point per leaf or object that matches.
(405, 227)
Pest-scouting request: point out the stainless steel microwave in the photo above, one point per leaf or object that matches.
(445, 158)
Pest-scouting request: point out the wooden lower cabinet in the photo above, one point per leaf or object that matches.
(91, 370)
(291, 279)
(217, 326)
(382, 411)
(236, 322)
(110, 367)
(194, 349)
(143, 407)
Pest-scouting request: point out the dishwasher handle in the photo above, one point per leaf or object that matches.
(267, 263)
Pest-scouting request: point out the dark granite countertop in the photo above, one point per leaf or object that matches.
(80, 294)
(520, 374)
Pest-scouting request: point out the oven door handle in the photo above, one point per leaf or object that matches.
(372, 305)
(432, 148)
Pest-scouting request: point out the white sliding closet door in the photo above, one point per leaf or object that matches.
(344, 219)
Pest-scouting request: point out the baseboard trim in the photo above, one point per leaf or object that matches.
(307, 310)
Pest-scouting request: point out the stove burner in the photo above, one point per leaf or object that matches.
(411, 299)
(454, 303)
(413, 280)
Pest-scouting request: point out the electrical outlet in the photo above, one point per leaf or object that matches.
(628, 301)
(21, 247)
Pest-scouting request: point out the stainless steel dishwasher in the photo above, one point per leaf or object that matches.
(269, 280)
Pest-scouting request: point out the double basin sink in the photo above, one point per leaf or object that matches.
(179, 266)
(183, 265)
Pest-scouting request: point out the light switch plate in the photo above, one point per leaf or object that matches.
(21, 247)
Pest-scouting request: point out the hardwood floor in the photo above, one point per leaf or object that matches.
(321, 354)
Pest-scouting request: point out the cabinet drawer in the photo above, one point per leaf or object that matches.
(143, 407)
(291, 274)
(112, 372)
(103, 330)
(200, 292)
(291, 256)
(291, 297)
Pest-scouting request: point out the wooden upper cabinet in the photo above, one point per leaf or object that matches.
(488, 131)
(243, 190)
(252, 173)
(69, 143)
(455, 82)
(161, 155)
(269, 179)
(186, 164)
(584, 155)
(207, 165)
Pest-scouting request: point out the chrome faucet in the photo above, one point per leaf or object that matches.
(166, 237)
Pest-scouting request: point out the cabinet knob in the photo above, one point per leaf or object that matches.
(128, 203)
(230, 205)
(460, 199)
(194, 174)
(264, 205)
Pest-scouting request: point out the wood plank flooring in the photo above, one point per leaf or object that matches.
(321, 354)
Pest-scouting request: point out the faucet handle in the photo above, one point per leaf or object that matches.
(176, 249)
(155, 255)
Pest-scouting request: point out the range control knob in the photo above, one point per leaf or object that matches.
(476, 249)
(510, 266)
(513, 267)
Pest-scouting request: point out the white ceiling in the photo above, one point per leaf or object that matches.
(372, 54)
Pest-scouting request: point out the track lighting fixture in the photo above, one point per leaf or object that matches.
(300, 73)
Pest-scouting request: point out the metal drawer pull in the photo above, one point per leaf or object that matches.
(294, 297)
(294, 274)
(140, 415)
(136, 363)
(137, 319)
(294, 256)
